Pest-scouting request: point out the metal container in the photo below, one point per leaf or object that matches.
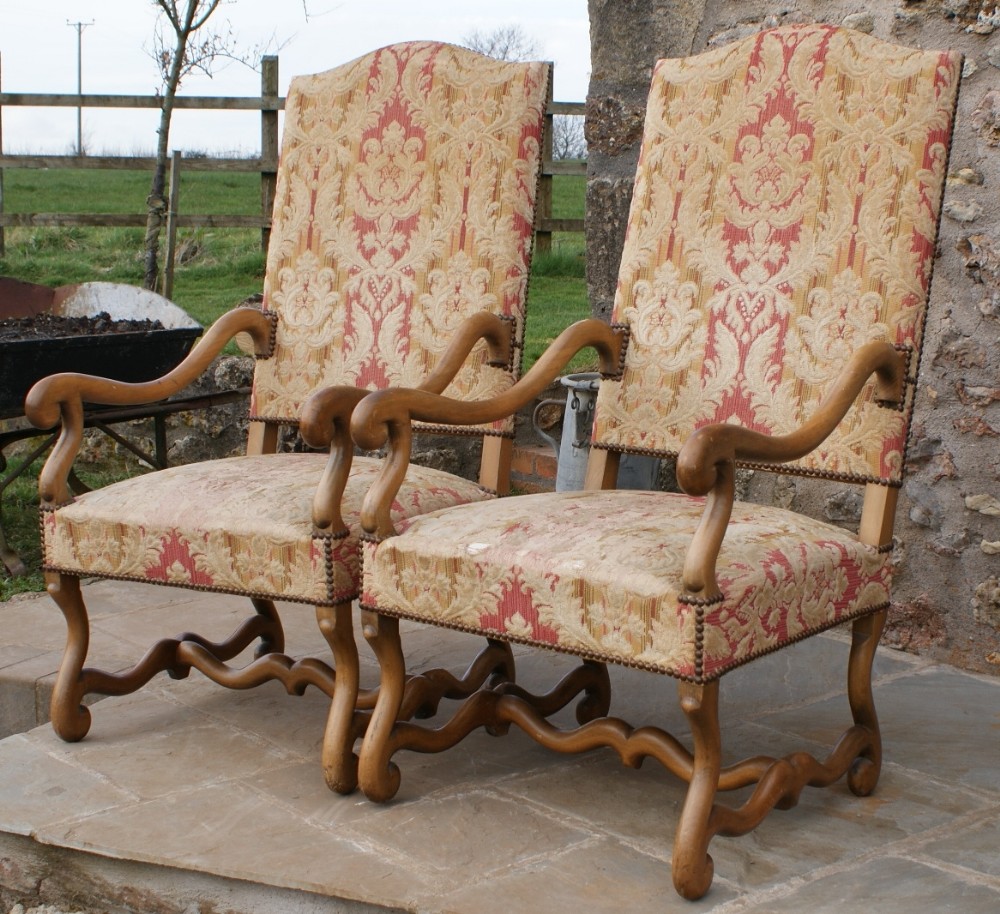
(139, 356)
(573, 449)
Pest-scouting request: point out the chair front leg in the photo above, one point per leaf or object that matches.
(378, 775)
(70, 719)
(692, 864)
(340, 764)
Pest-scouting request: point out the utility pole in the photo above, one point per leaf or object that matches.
(79, 26)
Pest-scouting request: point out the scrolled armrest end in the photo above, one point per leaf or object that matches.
(699, 461)
(43, 405)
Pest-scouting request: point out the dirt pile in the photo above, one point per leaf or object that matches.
(47, 326)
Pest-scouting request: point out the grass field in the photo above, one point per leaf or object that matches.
(221, 267)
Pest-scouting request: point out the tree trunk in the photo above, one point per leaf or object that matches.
(156, 204)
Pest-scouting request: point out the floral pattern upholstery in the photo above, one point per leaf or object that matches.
(599, 574)
(404, 203)
(784, 214)
(241, 525)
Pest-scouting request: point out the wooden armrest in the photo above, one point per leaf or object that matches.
(385, 417)
(498, 332)
(60, 397)
(330, 407)
(706, 464)
(326, 416)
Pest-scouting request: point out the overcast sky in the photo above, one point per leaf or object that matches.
(38, 53)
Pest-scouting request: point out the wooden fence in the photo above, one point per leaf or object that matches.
(269, 103)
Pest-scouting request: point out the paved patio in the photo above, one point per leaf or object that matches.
(190, 798)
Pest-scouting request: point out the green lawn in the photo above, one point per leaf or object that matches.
(222, 267)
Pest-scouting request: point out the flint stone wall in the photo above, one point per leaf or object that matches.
(948, 522)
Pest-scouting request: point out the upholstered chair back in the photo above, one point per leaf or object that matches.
(404, 204)
(786, 199)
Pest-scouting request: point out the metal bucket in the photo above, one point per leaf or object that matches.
(573, 450)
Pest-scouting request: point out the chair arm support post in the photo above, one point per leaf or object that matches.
(699, 563)
(376, 510)
(385, 416)
(707, 461)
(60, 397)
(325, 421)
(53, 480)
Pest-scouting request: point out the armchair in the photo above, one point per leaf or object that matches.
(773, 291)
(399, 254)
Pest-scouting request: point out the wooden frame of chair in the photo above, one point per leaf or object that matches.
(876, 379)
(399, 253)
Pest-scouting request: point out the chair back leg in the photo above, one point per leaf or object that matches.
(864, 773)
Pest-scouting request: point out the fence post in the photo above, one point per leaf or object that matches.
(268, 142)
(172, 199)
(543, 208)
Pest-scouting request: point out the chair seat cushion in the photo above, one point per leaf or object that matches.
(599, 574)
(240, 525)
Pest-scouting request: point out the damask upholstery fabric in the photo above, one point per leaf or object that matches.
(785, 206)
(241, 525)
(784, 214)
(599, 574)
(404, 203)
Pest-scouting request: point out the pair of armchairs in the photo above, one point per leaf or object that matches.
(769, 314)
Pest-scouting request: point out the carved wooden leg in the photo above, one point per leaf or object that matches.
(70, 719)
(692, 864)
(272, 641)
(378, 775)
(340, 764)
(864, 773)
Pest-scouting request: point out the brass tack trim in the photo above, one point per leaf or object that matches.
(698, 678)
(626, 331)
(327, 537)
(515, 344)
(462, 431)
(272, 341)
(204, 588)
(691, 600)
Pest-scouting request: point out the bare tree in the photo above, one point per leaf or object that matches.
(182, 45)
(568, 138)
(508, 42)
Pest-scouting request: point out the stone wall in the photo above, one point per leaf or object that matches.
(948, 522)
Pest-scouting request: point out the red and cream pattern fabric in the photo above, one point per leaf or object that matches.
(404, 203)
(241, 525)
(784, 212)
(599, 574)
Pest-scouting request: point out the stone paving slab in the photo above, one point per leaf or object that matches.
(188, 794)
